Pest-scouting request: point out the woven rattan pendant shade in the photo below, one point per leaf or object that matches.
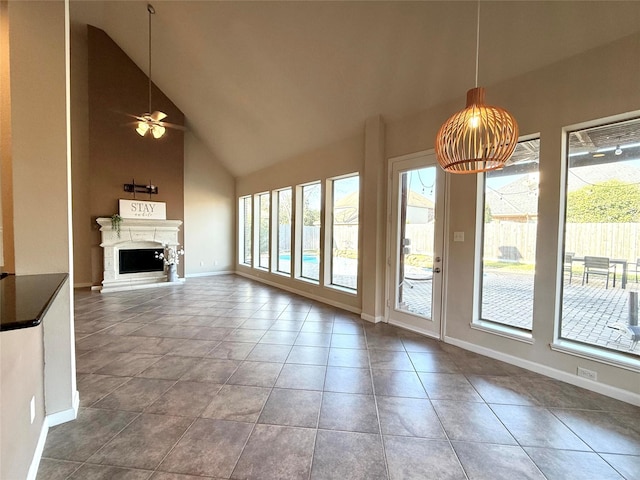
(477, 139)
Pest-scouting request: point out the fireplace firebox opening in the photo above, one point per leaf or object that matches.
(141, 260)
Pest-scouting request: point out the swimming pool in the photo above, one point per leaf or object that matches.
(305, 258)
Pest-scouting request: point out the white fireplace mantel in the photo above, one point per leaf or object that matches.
(134, 234)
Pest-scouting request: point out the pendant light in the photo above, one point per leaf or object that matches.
(480, 137)
(151, 122)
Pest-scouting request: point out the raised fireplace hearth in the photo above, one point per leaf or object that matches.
(129, 258)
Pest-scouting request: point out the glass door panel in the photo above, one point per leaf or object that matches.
(416, 261)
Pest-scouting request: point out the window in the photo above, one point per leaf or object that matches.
(263, 230)
(602, 236)
(245, 230)
(345, 209)
(509, 229)
(283, 263)
(310, 234)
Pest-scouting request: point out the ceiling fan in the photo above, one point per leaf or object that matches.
(152, 122)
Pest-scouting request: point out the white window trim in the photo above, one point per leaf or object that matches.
(479, 323)
(328, 238)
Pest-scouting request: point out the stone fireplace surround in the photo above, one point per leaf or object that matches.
(135, 234)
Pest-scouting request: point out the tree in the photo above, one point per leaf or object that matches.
(487, 213)
(612, 201)
(311, 217)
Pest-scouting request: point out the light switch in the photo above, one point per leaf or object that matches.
(458, 236)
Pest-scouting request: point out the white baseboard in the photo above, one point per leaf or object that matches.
(65, 415)
(51, 421)
(209, 274)
(318, 298)
(608, 390)
(372, 318)
(414, 329)
(37, 455)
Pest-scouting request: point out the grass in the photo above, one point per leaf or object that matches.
(513, 267)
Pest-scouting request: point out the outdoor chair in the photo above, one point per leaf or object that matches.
(623, 329)
(598, 266)
(636, 268)
(568, 264)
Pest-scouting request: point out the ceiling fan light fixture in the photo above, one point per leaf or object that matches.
(142, 128)
(157, 131)
(150, 122)
(479, 138)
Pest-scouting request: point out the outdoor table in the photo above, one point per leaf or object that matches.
(617, 261)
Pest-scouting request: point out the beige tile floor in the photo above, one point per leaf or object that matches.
(227, 378)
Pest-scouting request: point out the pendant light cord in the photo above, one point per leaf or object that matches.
(477, 43)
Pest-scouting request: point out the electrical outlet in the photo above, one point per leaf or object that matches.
(588, 374)
(32, 408)
(215, 262)
(202, 263)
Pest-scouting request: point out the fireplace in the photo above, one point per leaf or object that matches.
(139, 260)
(129, 258)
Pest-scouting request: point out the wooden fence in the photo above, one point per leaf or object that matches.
(517, 241)
(506, 240)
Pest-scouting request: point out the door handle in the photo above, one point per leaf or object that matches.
(436, 270)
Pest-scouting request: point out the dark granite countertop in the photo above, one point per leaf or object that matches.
(24, 299)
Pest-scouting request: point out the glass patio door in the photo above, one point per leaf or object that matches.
(415, 263)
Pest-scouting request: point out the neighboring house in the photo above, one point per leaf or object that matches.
(419, 208)
(518, 201)
(515, 202)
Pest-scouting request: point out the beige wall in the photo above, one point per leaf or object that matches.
(41, 198)
(22, 373)
(340, 158)
(209, 209)
(544, 102)
(39, 154)
(374, 203)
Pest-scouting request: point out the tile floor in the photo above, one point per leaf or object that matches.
(227, 378)
(587, 310)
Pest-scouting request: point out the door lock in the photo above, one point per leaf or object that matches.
(436, 270)
(438, 259)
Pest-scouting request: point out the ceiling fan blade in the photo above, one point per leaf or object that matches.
(157, 116)
(137, 117)
(172, 125)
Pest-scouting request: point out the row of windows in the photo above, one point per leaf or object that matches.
(600, 244)
(601, 240)
(308, 232)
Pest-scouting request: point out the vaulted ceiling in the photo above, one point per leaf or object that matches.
(260, 82)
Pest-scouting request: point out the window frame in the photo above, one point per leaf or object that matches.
(276, 232)
(574, 347)
(258, 197)
(496, 327)
(299, 232)
(242, 230)
(329, 237)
